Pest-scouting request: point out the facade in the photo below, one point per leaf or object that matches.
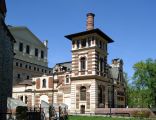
(87, 82)
(6, 61)
(30, 58)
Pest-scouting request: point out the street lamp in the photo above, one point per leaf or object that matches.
(54, 73)
(33, 83)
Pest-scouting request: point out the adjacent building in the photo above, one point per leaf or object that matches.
(6, 61)
(30, 58)
(85, 83)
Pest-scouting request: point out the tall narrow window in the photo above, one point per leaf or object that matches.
(21, 47)
(18, 76)
(83, 43)
(101, 64)
(73, 43)
(21, 98)
(26, 99)
(67, 78)
(89, 42)
(42, 54)
(83, 93)
(83, 63)
(78, 44)
(100, 95)
(44, 83)
(27, 49)
(36, 52)
(28, 77)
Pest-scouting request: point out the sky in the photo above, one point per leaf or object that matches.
(130, 23)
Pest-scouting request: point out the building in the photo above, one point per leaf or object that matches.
(85, 83)
(6, 61)
(30, 58)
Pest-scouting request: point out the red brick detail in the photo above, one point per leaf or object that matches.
(38, 84)
(50, 82)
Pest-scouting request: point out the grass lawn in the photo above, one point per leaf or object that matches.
(99, 118)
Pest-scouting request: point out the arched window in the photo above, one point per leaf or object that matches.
(83, 93)
(83, 63)
(67, 78)
(44, 83)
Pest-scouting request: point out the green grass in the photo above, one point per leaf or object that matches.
(99, 118)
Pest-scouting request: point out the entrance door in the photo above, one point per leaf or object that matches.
(82, 109)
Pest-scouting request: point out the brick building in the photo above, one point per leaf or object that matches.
(85, 83)
(6, 61)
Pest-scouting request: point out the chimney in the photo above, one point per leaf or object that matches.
(90, 21)
(45, 43)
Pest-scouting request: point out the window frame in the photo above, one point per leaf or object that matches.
(83, 93)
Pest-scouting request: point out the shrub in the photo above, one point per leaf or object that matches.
(21, 113)
(145, 114)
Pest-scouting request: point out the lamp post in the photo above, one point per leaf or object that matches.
(54, 73)
(33, 83)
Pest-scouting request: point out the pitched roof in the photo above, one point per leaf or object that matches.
(98, 31)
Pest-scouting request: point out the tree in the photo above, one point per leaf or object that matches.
(144, 82)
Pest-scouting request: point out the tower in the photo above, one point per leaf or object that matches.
(89, 68)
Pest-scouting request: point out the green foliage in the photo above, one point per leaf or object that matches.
(98, 118)
(141, 114)
(21, 113)
(142, 92)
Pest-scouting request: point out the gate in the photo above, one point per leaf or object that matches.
(34, 114)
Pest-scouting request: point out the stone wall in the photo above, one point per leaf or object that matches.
(6, 65)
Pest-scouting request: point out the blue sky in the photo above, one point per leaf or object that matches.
(130, 23)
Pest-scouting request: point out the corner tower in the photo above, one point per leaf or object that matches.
(89, 68)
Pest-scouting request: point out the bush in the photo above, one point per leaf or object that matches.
(21, 113)
(145, 114)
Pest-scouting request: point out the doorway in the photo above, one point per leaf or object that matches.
(82, 109)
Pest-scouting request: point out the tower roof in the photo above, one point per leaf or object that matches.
(97, 31)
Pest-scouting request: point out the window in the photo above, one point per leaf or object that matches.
(38, 69)
(26, 99)
(42, 70)
(26, 66)
(18, 76)
(83, 63)
(78, 44)
(67, 78)
(83, 93)
(44, 83)
(45, 71)
(36, 52)
(100, 44)
(73, 43)
(89, 41)
(101, 64)
(27, 49)
(20, 64)
(100, 94)
(30, 67)
(83, 43)
(28, 77)
(16, 63)
(21, 98)
(21, 47)
(34, 68)
(42, 54)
